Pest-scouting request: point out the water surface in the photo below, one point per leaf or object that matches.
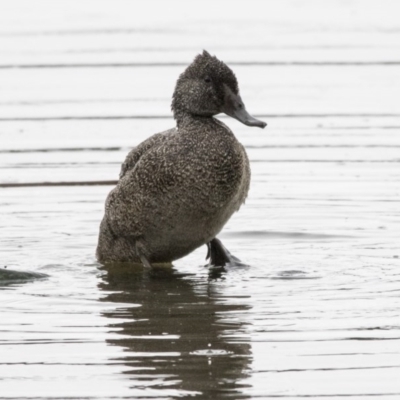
(314, 313)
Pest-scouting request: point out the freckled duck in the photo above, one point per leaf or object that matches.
(178, 188)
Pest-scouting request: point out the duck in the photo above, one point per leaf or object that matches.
(178, 188)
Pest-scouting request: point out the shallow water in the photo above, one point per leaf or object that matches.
(314, 313)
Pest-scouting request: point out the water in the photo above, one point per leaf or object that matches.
(313, 314)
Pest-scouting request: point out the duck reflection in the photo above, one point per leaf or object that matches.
(184, 336)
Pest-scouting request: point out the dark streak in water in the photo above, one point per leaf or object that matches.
(184, 64)
(306, 146)
(79, 32)
(317, 396)
(285, 235)
(46, 184)
(323, 146)
(371, 338)
(118, 117)
(328, 369)
(66, 149)
(326, 161)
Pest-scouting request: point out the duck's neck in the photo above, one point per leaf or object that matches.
(188, 122)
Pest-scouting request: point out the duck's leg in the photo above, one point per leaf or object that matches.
(219, 256)
(143, 258)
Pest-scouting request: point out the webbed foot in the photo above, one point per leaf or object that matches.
(219, 256)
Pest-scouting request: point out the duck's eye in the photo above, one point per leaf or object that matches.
(207, 79)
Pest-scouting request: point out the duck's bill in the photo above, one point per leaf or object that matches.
(234, 107)
(245, 118)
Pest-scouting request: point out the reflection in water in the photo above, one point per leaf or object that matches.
(184, 336)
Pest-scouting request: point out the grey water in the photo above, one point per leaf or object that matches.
(313, 312)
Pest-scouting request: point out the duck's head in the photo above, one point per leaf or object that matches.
(208, 87)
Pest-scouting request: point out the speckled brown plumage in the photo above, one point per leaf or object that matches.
(178, 188)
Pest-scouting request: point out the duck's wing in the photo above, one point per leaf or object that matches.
(134, 155)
